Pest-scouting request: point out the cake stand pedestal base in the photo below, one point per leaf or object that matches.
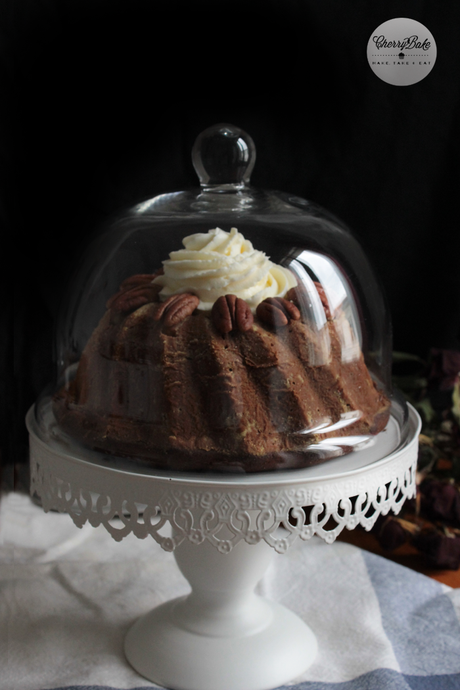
(223, 530)
(222, 635)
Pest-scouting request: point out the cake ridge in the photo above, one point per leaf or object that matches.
(223, 388)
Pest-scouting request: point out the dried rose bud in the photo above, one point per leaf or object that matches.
(440, 550)
(440, 500)
(444, 369)
(390, 533)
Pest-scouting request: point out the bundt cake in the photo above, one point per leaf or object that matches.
(212, 364)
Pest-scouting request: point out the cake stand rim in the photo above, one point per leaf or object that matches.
(248, 480)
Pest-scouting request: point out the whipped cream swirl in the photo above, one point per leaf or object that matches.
(220, 263)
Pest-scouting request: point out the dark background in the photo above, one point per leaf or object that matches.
(102, 102)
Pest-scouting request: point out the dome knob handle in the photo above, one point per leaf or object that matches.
(223, 157)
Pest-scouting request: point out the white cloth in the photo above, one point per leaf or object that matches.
(69, 595)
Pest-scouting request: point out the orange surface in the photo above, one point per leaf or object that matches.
(405, 555)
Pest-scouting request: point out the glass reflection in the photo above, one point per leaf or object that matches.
(320, 276)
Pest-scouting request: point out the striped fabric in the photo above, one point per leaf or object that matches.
(68, 596)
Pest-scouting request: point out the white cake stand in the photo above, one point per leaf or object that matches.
(223, 531)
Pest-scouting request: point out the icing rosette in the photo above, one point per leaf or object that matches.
(219, 263)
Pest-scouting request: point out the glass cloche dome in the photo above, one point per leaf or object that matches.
(223, 329)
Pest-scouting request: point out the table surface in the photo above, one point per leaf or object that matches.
(405, 555)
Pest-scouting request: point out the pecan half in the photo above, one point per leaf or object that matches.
(230, 313)
(293, 295)
(129, 300)
(324, 300)
(134, 292)
(277, 311)
(176, 308)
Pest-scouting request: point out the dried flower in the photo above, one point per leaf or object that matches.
(444, 369)
(440, 500)
(432, 526)
(440, 550)
(456, 400)
(391, 532)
